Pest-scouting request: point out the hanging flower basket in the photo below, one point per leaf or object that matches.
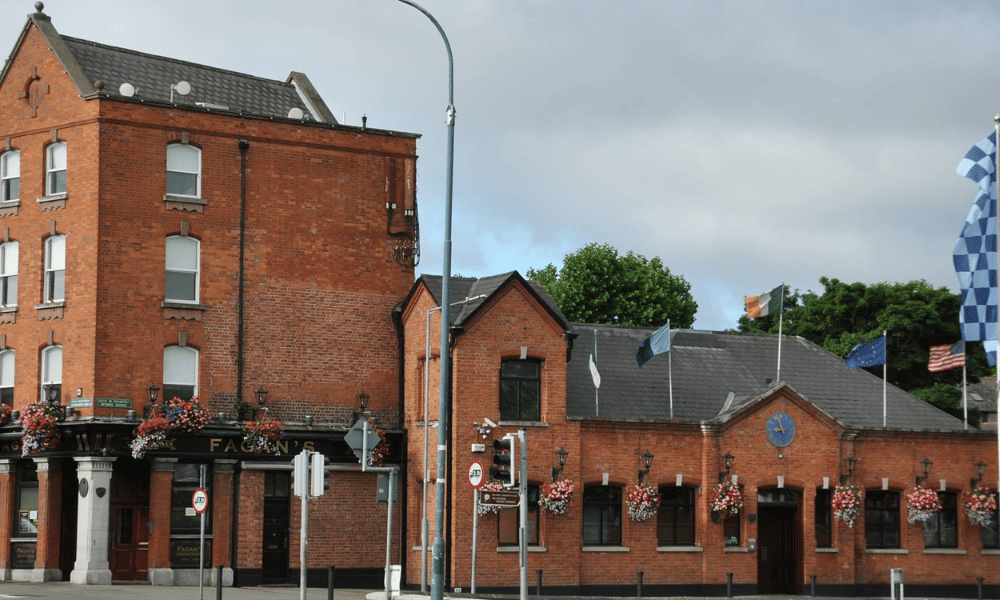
(185, 415)
(556, 496)
(847, 503)
(642, 502)
(980, 506)
(489, 486)
(39, 421)
(5, 414)
(262, 435)
(150, 435)
(727, 499)
(381, 450)
(921, 504)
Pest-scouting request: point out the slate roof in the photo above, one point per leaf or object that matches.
(464, 288)
(98, 71)
(709, 366)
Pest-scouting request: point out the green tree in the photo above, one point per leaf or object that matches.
(915, 316)
(597, 285)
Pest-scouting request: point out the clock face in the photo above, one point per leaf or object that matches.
(780, 429)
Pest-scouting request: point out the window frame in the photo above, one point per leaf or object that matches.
(668, 519)
(7, 180)
(989, 535)
(8, 362)
(175, 360)
(823, 521)
(54, 279)
(610, 507)
(941, 530)
(51, 370)
(882, 525)
(522, 383)
(8, 280)
(191, 150)
(504, 515)
(182, 270)
(52, 170)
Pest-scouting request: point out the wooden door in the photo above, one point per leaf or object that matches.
(777, 550)
(128, 556)
(276, 528)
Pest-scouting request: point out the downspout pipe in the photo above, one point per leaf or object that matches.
(244, 146)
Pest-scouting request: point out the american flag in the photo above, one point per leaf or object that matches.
(948, 356)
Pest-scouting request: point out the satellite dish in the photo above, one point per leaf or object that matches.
(183, 88)
(296, 113)
(127, 90)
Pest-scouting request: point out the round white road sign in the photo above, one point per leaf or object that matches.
(199, 500)
(476, 474)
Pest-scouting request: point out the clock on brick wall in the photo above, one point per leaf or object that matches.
(780, 429)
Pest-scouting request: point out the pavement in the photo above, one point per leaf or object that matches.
(70, 591)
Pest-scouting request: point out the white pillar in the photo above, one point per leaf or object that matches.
(93, 520)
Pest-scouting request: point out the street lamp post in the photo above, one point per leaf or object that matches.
(437, 576)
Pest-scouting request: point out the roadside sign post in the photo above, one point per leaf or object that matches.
(199, 501)
(476, 477)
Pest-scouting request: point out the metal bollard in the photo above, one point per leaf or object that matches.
(729, 585)
(638, 587)
(979, 586)
(538, 586)
(329, 582)
(218, 582)
(812, 585)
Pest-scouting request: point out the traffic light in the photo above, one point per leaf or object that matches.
(300, 474)
(503, 459)
(318, 475)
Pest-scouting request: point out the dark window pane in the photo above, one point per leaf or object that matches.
(180, 286)
(184, 392)
(602, 514)
(182, 184)
(823, 518)
(57, 182)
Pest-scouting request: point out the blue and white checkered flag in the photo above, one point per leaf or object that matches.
(975, 252)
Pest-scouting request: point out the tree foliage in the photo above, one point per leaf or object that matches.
(597, 285)
(914, 315)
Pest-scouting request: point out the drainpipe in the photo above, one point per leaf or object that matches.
(244, 146)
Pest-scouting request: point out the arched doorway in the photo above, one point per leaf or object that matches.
(779, 544)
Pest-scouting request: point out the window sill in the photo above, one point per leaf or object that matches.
(944, 551)
(50, 310)
(734, 549)
(9, 208)
(509, 423)
(991, 551)
(605, 549)
(52, 201)
(514, 549)
(188, 203)
(182, 311)
(8, 315)
(679, 549)
(886, 551)
(827, 550)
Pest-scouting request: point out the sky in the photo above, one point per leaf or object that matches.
(745, 144)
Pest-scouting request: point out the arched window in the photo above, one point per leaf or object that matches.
(520, 390)
(7, 377)
(675, 517)
(183, 170)
(180, 372)
(55, 269)
(881, 519)
(55, 169)
(602, 515)
(52, 361)
(8, 274)
(182, 263)
(941, 530)
(10, 176)
(507, 521)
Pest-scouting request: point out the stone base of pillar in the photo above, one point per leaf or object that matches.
(43, 575)
(91, 576)
(161, 576)
(190, 577)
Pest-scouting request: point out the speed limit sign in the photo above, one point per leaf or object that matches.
(199, 500)
(476, 474)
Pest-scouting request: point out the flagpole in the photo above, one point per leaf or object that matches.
(885, 364)
(670, 372)
(965, 396)
(781, 318)
(994, 198)
(597, 389)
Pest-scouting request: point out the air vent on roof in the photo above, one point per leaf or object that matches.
(212, 106)
(296, 113)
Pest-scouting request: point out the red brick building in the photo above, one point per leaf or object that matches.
(212, 234)
(518, 364)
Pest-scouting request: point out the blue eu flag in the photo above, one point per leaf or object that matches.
(867, 355)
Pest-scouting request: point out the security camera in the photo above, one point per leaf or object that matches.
(490, 423)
